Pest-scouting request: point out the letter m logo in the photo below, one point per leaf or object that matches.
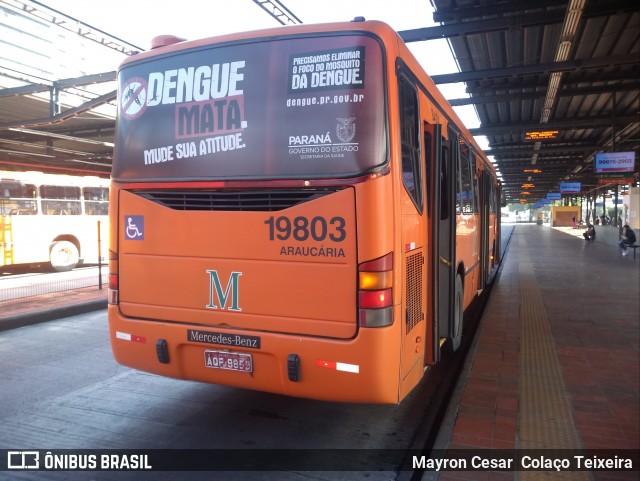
(218, 297)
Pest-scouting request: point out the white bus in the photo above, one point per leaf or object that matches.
(52, 218)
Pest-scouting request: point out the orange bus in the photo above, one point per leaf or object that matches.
(295, 210)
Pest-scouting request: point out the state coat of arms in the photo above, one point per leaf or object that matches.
(346, 129)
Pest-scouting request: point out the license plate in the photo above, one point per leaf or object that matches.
(231, 361)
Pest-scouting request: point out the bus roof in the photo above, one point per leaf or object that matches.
(34, 177)
(377, 27)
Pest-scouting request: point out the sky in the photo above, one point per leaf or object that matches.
(138, 21)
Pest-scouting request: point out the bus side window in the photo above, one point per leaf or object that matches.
(60, 200)
(427, 146)
(476, 188)
(96, 200)
(459, 192)
(410, 141)
(466, 182)
(493, 199)
(444, 182)
(17, 198)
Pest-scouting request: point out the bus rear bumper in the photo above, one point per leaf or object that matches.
(363, 369)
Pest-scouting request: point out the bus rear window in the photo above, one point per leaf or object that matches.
(286, 108)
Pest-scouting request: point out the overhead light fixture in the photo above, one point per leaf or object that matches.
(563, 51)
(572, 18)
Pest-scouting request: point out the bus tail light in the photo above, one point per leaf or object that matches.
(374, 299)
(375, 292)
(113, 297)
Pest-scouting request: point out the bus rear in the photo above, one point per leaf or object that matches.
(249, 201)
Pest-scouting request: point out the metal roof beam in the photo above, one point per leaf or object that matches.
(592, 9)
(277, 10)
(511, 22)
(85, 80)
(56, 135)
(537, 69)
(623, 79)
(51, 15)
(48, 148)
(569, 124)
(545, 149)
(565, 92)
(480, 26)
(63, 165)
(24, 90)
(61, 84)
(519, 165)
(62, 116)
(458, 14)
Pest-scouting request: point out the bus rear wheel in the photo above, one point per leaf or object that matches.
(458, 314)
(64, 256)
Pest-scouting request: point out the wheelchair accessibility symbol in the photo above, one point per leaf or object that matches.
(134, 227)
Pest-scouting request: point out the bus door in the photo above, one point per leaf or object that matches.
(445, 207)
(497, 203)
(485, 248)
(414, 238)
(6, 240)
(432, 155)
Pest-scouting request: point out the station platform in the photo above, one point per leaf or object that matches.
(555, 363)
(54, 306)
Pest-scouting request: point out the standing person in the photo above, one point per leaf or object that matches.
(627, 238)
(573, 221)
(590, 233)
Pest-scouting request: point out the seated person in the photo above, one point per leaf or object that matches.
(590, 233)
(628, 238)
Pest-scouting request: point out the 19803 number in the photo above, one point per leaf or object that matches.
(301, 228)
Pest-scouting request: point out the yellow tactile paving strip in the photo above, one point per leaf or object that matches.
(546, 418)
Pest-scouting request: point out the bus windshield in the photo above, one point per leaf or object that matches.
(301, 108)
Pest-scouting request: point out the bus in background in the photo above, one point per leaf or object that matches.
(50, 218)
(295, 210)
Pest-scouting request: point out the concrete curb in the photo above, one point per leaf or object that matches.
(29, 318)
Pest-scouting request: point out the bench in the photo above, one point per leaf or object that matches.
(634, 247)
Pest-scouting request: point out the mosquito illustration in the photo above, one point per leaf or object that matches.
(129, 93)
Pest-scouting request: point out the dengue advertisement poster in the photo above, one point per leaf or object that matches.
(280, 109)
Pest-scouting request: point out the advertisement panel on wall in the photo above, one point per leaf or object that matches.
(615, 162)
